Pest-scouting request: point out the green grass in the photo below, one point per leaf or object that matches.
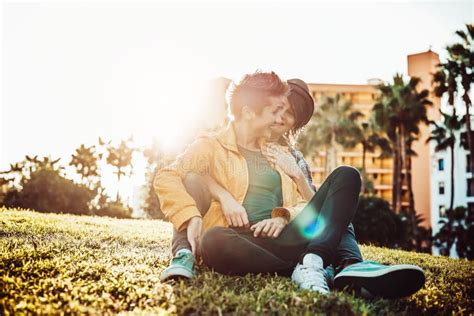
(52, 263)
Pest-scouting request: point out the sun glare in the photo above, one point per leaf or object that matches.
(178, 112)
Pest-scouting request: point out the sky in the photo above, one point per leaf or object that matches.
(74, 71)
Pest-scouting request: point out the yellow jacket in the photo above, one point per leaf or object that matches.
(217, 156)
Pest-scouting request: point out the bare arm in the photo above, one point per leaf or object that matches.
(288, 164)
(303, 186)
(234, 212)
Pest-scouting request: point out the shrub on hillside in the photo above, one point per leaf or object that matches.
(114, 209)
(457, 229)
(47, 191)
(375, 223)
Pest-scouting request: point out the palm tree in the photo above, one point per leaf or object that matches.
(120, 157)
(398, 111)
(456, 75)
(445, 137)
(86, 162)
(371, 138)
(334, 123)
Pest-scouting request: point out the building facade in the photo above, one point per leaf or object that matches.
(441, 164)
(380, 170)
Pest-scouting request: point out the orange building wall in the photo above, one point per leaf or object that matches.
(423, 65)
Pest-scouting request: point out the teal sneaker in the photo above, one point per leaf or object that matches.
(380, 280)
(181, 266)
(329, 274)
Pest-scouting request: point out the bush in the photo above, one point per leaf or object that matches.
(458, 230)
(114, 209)
(375, 223)
(48, 191)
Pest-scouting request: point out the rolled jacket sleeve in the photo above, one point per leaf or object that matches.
(176, 204)
(288, 212)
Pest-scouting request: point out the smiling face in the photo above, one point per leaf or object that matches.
(286, 124)
(271, 116)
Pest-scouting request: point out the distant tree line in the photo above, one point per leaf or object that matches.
(41, 183)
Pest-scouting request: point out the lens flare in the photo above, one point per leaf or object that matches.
(310, 224)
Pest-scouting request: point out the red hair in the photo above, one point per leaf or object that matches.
(253, 91)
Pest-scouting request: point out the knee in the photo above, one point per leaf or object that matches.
(212, 237)
(350, 174)
(212, 245)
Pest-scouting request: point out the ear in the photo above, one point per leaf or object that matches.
(247, 113)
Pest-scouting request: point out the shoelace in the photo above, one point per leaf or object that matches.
(188, 260)
(311, 275)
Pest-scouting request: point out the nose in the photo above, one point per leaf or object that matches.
(279, 118)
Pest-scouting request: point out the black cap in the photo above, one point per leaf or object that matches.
(301, 102)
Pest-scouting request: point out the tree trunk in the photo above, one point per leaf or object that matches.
(395, 176)
(332, 155)
(400, 173)
(469, 139)
(410, 184)
(397, 192)
(364, 152)
(364, 175)
(403, 159)
(118, 185)
(411, 209)
(451, 203)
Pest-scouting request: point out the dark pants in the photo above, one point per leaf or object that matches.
(202, 197)
(319, 228)
(322, 227)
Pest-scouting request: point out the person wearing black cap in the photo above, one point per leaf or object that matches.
(297, 115)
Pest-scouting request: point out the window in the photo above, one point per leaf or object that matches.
(470, 207)
(470, 187)
(468, 157)
(440, 164)
(441, 188)
(442, 211)
(464, 142)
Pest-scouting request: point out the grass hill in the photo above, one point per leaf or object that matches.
(54, 263)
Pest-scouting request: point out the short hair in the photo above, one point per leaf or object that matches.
(253, 90)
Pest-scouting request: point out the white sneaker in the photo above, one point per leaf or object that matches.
(311, 275)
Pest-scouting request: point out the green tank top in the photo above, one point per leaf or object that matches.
(264, 191)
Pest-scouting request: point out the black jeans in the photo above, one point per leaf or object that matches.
(322, 227)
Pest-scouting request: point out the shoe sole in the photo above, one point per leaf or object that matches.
(176, 273)
(392, 282)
